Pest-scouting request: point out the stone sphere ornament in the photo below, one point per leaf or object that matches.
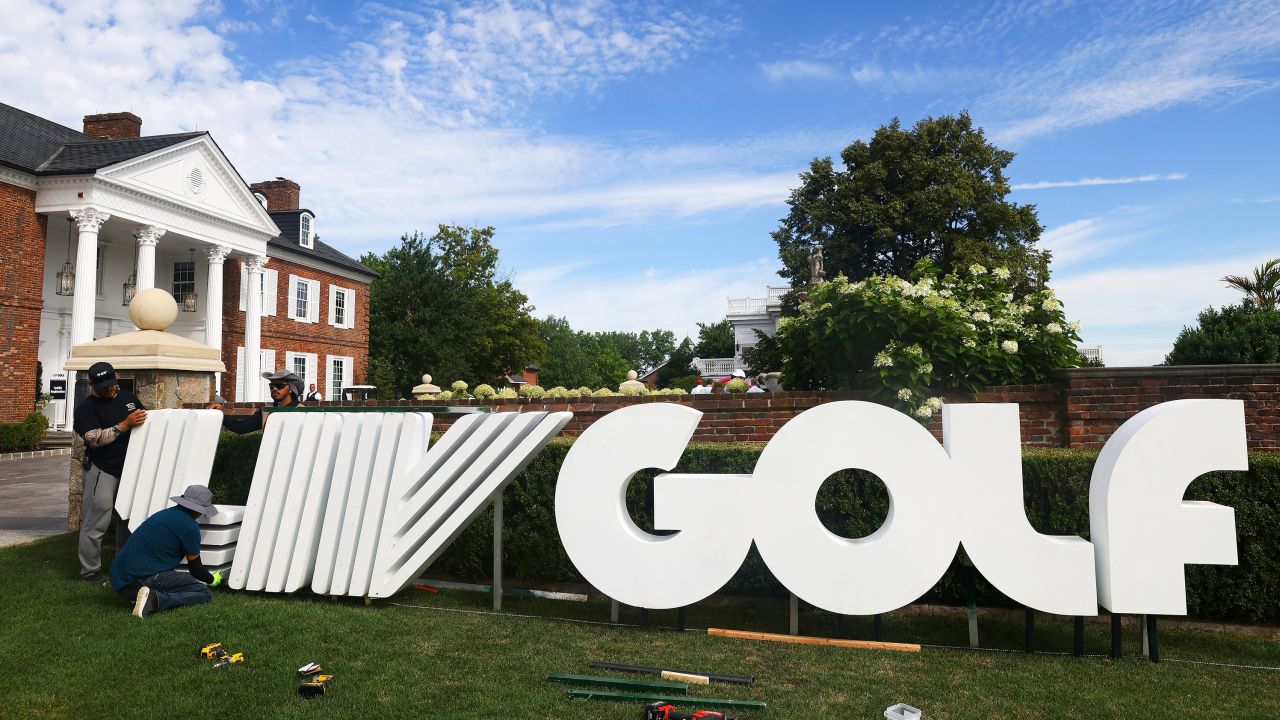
(153, 309)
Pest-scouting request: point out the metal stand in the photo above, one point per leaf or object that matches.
(971, 599)
(877, 627)
(1153, 639)
(613, 611)
(795, 614)
(497, 553)
(1029, 645)
(644, 617)
(1116, 649)
(1077, 647)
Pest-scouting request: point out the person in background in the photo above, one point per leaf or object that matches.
(753, 386)
(700, 389)
(145, 573)
(286, 391)
(313, 395)
(105, 420)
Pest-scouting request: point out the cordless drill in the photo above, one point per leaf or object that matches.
(663, 710)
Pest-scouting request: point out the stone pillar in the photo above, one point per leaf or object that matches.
(253, 327)
(148, 237)
(213, 304)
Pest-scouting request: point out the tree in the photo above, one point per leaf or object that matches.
(715, 340)
(644, 350)
(441, 306)
(765, 356)
(1236, 334)
(678, 364)
(1263, 289)
(935, 192)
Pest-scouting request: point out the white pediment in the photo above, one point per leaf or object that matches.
(194, 174)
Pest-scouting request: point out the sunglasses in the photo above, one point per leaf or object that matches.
(277, 386)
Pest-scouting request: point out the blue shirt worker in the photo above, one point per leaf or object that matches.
(105, 420)
(143, 573)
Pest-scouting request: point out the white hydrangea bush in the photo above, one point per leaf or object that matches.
(908, 342)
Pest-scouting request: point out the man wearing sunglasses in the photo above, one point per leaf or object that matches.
(105, 421)
(286, 391)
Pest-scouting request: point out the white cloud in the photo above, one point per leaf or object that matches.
(797, 70)
(645, 299)
(1155, 63)
(1080, 240)
(1135, 313)
(1090, 181)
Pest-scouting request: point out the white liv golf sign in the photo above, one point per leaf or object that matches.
(967, 492)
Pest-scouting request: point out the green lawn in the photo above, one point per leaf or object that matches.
(68, 650)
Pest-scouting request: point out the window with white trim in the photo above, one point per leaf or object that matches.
(340, 369)
(305, 237)
(184, 279)
(342, 307)
(304, 365)
(266, 286)
(304, 299)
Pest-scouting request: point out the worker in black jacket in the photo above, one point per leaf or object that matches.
(105, 420)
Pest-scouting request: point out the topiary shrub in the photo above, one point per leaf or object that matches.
(506, 393)
(633, 391)
(532, 391)
(484, 391)
(603, 392)
(559, 392)
(459, 386)
(583, 391)
(444, 395)
(736, 385)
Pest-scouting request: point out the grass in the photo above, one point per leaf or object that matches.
(68, 650)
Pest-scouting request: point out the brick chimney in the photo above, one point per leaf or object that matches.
(531, 374)
(281, 193)
(113, 126)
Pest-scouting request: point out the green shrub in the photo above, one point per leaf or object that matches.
(24, 436)
(485, 391)
(736, 385)
(459, 386)
(603, 392)
(445, 395)
(532, 391)
(507, 393)
(1235, 334)
(559, 392)
(853, 504)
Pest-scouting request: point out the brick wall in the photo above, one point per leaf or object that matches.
(1081, 408)
(22, 234)
(282, 334)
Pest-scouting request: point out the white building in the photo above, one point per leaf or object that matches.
(746, 315)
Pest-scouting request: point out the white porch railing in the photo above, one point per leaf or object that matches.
(739, 306)
(715, 367)
(776, 293)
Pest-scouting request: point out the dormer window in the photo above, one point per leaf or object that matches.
(305, 238)
(262, 200)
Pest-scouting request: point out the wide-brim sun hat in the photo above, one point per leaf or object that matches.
(198, 498)
(296, 384)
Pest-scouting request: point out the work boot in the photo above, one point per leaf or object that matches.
(95, 578)
(145, 603)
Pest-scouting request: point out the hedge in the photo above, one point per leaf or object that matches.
(853, 504)
(25, 435)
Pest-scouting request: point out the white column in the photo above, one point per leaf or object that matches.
(84, 302)
(148, 237)
(213, 304)
(253, 328)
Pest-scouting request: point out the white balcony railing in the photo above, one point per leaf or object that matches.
(776, 293)
(739, 306)
(715, 367)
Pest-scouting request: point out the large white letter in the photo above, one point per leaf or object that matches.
(612, 553)
(1143, 532)
(1049, 573)
(892, 566)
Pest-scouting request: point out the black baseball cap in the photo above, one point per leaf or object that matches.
(102, 375)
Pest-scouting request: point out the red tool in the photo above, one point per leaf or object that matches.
(662, 710)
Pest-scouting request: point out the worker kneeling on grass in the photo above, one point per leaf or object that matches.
(143, 573)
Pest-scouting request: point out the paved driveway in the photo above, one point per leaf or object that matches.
(33, 498)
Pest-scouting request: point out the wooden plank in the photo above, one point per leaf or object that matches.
(805, 640)
(685, 677)
(656, 686)
(716, 677)
(625, 697)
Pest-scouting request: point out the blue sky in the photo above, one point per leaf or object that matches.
(634, 157)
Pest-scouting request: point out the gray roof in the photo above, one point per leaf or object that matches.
(79, 158)
(43, 147)
(288, 222)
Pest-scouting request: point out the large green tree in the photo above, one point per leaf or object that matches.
(715, 340)
(1236, 334)
(937, 191)
(442, 306)
(574, 358)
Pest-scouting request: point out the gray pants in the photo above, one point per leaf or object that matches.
(97, 507)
